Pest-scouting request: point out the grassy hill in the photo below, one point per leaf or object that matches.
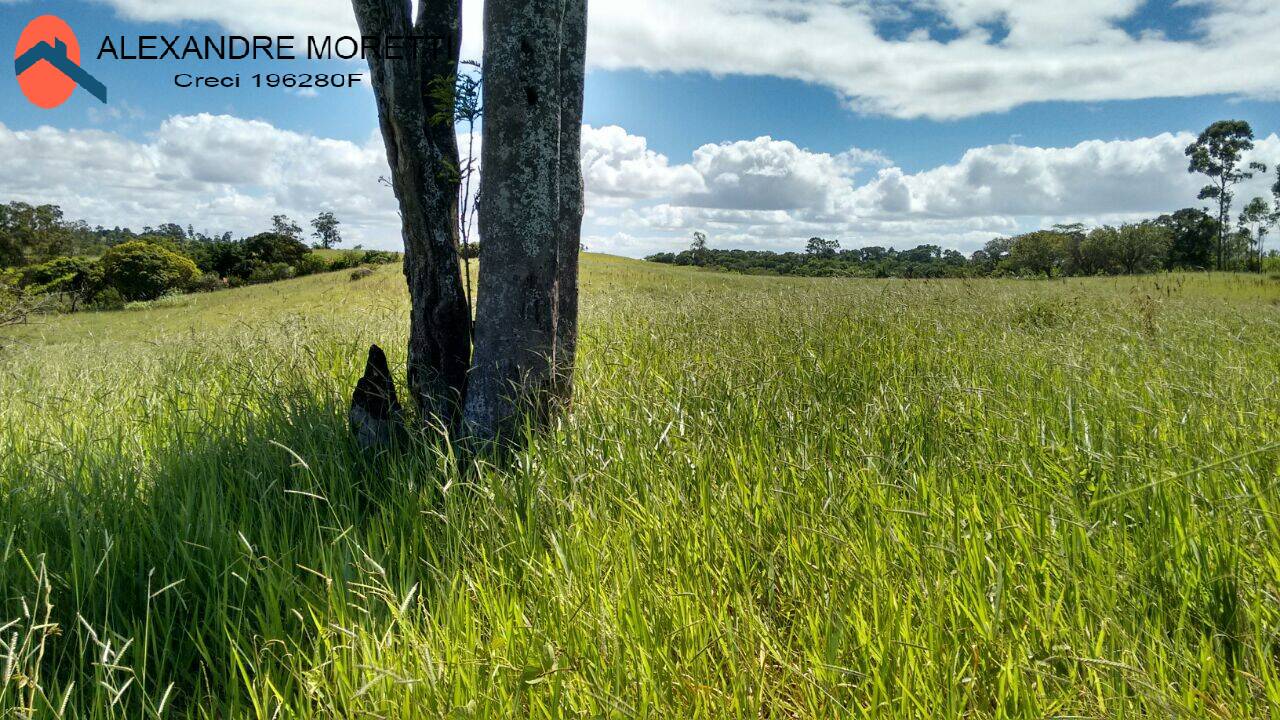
(774, 498)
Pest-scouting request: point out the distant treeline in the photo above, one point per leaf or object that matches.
(1185, 240)
(1190, 239)
(52, 263)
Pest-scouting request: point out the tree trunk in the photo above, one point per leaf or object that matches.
(573, 58)
(512, 373)
(1224, 221)
(423, 156)
(530, 214)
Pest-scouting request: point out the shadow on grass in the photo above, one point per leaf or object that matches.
(221, 553)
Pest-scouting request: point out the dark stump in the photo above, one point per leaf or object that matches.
(375, 415)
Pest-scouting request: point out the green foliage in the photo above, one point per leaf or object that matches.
(75, 280)
(32, 237)
(325, 230)
(1193, 239)
(270, 248)
(1255, 224)
(310, 264)
(225, 258)
(1098, 252)
(270, 257)
(166, 301)
(206, 282)
(32, 234)
(1128, 250)
(1141, 248)
(270, 272)
(379, 257)
(1038, 253)
(1066, 250)
(924, 261)
(284, 225)
(40, 241)
(266, 257)
(773, 498)
(458, 102)
(109, 299)
(173, 244)
(13, 306)
(347, 260)
(989, 260)
(63, 275)
(350, 259)
(143, 271)
(1218, 154)
(458, 98)
(12, 252)
(822, 247)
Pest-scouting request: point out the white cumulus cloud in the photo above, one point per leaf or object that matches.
(1096, 177)
(220, 172)
(214, 171)
(965, 57)
(618, 164)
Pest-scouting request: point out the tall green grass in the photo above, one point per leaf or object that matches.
(774, 498)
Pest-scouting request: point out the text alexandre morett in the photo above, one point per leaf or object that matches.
(265, 47)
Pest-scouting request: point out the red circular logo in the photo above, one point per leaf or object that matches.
(42, 83)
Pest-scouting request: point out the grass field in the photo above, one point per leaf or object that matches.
(775, 498)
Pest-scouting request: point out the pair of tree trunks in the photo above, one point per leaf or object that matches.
(530, 213)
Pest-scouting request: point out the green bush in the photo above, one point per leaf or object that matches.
(352, 259)
(168, 300)
(58, 271)
(144, 271)
(273, 248)
(109, 299)
(310, 264)
(206, 282)
(258, 259)
(271, 272)
(347, 260)
(10, 295)
(383, 257)
(222, 257)
(79, 279)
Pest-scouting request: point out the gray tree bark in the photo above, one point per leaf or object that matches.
(530, 214)
(420, 153)
(513, 376)
(573, 68)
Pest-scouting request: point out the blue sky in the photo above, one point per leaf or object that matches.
(761, 122)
